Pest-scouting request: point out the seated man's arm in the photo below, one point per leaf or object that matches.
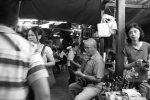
(92, 78)
(98, 72)
(37, 77)
(88, 77)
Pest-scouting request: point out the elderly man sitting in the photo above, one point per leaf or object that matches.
(91, 73)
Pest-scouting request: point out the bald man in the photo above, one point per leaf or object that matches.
(93, 72)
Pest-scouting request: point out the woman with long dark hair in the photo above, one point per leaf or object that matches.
(36, 35)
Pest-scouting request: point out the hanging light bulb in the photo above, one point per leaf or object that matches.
(71, 34)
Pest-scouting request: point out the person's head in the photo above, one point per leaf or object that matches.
(90, 46)
(9, 12)
(54, 50)
(75, 46)
(59, 50)
(134, 33)
(111, 55)
(36, 35)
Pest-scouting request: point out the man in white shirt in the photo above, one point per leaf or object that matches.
(71, 56)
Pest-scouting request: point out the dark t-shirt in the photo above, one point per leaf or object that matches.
(133, 54)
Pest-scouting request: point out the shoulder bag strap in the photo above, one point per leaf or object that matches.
(10, 41)
(43, 49)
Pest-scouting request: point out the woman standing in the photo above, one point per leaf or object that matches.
(36, 35)
(136, 52)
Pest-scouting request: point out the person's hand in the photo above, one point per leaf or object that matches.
(139, 62)
(148, 62)
(79, 73)
(78, 65)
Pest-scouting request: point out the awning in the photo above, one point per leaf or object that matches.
(74, 11)
(78, 11)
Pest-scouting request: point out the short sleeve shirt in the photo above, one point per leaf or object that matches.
(95, 67)
(62, 54)
(47, 51)
(133, 54)
(71, 55)
(16, 67)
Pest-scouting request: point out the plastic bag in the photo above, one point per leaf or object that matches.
(103, 28)
(112, 26)
(107, 26)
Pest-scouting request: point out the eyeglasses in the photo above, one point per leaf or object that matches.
(87, 48)
(31, 35)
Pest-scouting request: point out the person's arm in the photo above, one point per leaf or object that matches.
(98, 71)
(76, 64)
(50, 57)
(148, 59)
(51, 61)
(128, 65)
(37, 78)
(88, 77)
(92, 78)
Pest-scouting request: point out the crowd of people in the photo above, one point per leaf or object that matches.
(27, 65)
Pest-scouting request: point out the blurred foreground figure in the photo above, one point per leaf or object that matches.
(19, 65)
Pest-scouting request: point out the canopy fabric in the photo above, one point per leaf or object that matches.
(74, 11)
(140, 16)
(78, 11)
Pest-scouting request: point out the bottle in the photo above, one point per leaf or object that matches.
(113, 85)
(120, 83)
(128, 83)
(113, 63)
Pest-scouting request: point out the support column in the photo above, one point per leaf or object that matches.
(120, 7)
(18, 13)
(101, 46)
(101, 40)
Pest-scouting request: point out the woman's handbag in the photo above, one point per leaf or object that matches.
(51, 78)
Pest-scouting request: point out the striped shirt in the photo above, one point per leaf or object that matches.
(18, 67)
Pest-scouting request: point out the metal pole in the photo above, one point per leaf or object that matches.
(101, 40)
(120, 37)
(18, 13)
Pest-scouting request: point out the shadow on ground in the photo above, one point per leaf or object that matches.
(60, 90)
